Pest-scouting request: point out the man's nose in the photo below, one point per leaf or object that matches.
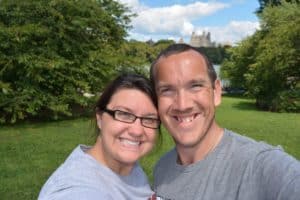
(182, 100)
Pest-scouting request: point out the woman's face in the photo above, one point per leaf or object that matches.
(124, 143)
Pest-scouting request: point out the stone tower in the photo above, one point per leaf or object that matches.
(201, 40)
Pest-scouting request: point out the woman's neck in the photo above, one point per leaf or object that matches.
(98, 152)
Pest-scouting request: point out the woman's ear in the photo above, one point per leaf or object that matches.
(99, 120)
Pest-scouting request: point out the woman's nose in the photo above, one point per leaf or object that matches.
(136, 128)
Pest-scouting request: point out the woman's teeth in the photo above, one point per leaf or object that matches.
(130, 142)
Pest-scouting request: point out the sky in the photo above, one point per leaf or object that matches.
(228, 21)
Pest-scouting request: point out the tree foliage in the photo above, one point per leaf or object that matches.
(53, 52)
(265, 3)
(267, 63)
(240, 60)
(215, 54)
(137, 56)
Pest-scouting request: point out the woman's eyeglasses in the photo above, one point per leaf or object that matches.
(127, 117)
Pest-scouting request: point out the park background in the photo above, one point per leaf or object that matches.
(57, 55)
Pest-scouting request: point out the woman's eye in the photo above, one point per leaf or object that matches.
(125, 115)
(150, 120)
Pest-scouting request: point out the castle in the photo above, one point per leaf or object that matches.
(200, 40)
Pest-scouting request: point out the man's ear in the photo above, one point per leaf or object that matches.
(217, 93)
(99, 120)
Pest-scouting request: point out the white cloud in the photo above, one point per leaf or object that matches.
(130, 3)
(154, 37)
(187, 28)
(176, 21)
(134, 5)
(230, 33)
(233, 32)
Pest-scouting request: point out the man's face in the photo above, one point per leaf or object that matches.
(186, 97)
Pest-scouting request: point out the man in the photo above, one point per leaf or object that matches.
(210, 162)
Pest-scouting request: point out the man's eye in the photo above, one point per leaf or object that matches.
(165, 91)
(196, 86)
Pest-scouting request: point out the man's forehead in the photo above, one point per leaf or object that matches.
(186, 56)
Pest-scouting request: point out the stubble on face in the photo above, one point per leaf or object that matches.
(187, 99)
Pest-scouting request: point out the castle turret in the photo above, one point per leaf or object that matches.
(181, 41)
(201, 40)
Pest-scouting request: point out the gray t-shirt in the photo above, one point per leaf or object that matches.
(82, 177)
(238, 168)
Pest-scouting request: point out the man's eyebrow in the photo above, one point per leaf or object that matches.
(163, 84)
(199, 81)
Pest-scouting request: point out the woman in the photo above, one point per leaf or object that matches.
(126, 114)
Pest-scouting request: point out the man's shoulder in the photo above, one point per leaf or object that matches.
(168, 158)
(245, 143)
(244, 149)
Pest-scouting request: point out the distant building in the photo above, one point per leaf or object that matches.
(181, 41)
(150, 42)
(200, 40)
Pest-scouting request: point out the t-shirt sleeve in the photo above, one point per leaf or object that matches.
(278, 174)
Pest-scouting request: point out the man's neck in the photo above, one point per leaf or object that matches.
(190, 155)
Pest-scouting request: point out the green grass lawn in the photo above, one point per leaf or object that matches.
(31, 152)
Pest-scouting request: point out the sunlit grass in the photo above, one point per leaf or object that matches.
(240, 115)
(31, 152)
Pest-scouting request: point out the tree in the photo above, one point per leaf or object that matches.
(277, 73)
(240, 61)
(53, 52)
(137, 56)
(265, 3)
(267, 63)
(134, 57)
(215, 54)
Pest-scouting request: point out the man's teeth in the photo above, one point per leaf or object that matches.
(185, 119)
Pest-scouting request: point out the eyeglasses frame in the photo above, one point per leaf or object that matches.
(112, 113)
